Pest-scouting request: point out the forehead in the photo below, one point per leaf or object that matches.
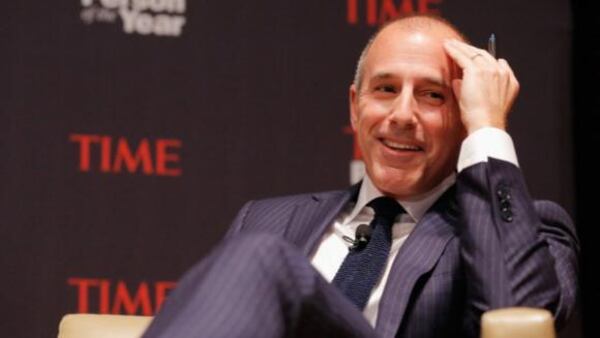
(401, 51)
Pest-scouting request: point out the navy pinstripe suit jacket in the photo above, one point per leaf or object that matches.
(484, 244)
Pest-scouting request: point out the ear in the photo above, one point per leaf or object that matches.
(353, 101)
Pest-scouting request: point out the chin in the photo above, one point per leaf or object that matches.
(396, 182)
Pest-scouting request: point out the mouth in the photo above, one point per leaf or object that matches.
(401, 146)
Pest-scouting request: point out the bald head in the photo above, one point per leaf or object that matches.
(413, 23)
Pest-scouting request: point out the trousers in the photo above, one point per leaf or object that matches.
(257, 285)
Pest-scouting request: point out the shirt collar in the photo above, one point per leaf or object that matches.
(415, 207)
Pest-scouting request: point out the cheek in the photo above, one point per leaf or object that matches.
(381, 106)
(371, 109)
(367, 121)
(433, 126)
(441, 123)
(440, 138)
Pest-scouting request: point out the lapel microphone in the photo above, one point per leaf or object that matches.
(361, 237)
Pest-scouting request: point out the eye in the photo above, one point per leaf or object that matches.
(385, 88)
(433, 97)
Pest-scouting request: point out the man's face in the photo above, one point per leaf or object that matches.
(405, 114)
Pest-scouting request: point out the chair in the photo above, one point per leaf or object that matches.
(102, 326)
(516, 322)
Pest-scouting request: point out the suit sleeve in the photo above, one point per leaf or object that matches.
(516, 252)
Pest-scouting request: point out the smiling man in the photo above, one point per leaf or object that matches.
(404, 111)
(451, 233)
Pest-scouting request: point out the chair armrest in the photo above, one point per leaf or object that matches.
(102, 326)
(517, 322)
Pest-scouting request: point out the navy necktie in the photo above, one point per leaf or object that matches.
(363, 267)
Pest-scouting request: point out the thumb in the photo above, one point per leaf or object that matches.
(456, 87)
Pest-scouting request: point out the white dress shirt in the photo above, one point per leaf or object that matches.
(329, 255)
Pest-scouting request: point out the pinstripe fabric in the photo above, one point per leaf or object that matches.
(515, 262)
(424, 251)
(464, 257)
(300, 219)
(257, 285)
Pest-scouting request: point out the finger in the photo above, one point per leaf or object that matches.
(505, 64)
(476, 54)
(478, 51)
(512, 85)
(513, 79)
(456, 86)
(461, 58)
(504, 80)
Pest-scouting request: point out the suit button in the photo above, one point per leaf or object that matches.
(503, 192)
(505, 207)
(506, 215)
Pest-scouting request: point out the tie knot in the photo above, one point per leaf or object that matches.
(386, 207)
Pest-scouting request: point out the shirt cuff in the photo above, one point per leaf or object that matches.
(484, 143)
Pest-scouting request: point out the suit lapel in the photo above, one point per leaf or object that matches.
(312, 218)
(417, 256)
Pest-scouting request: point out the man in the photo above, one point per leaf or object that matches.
(424, 103)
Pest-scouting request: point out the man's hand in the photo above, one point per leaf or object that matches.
(487, 89)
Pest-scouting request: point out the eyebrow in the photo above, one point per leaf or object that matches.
(430, 79)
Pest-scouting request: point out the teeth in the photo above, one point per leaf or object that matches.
(400, 146)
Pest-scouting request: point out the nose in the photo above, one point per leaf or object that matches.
(404, 108)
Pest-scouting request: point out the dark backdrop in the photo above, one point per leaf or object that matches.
(131, 130)
(585, 90)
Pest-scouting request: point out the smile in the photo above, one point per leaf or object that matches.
(400, 146)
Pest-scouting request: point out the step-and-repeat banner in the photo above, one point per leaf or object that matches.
(131, 131)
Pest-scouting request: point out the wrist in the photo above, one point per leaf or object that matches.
(477, 125)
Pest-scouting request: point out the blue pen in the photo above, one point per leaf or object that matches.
(492, 45)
